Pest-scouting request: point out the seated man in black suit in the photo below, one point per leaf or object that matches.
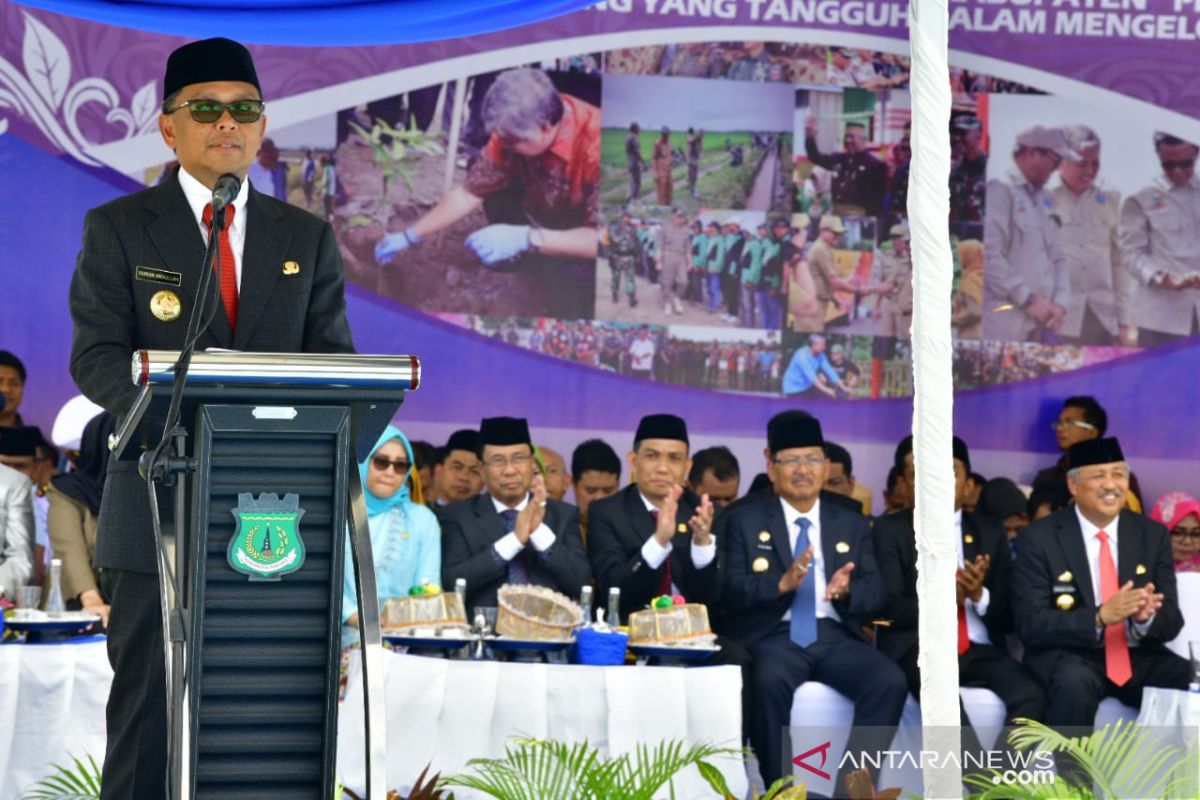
(984, 603)
(800, 578)
(654, 537)
(511, 533)
(1094, 594)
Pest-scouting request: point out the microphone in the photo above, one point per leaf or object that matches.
(225, 190)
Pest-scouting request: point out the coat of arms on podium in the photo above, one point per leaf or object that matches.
(266, 543)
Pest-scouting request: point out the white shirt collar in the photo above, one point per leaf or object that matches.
(198, 196)
(790, 515)
(501, 508)
(1090, 531)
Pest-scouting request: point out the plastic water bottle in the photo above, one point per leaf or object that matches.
(460, 589)
(585, 602)
(614, 607)
(55, 606)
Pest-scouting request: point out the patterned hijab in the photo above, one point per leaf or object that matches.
(378, 505)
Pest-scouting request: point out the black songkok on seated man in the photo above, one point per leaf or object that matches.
(464, 439)
(1094, 451)
(786, 431)
(961, 453)
(504, 431)
(207, 61)
(661, 426)
(20, 441)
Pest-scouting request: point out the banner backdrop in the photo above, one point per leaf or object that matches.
(705, 145)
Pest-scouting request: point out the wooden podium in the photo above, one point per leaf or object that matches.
(263, 469)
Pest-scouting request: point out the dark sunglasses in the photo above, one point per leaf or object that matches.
(206, 111)
(380, 463)
(1182, 163)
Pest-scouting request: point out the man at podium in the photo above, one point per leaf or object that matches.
(280, 289)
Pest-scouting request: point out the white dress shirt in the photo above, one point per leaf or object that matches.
(824, 608)
(1091, 546)
(198, 196)
(655, 554)
(976, 629)
(509, 545)
(16, 529)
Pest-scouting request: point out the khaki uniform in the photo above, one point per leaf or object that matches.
(673, 266)
(1160, 231)
(661, 156)
(1090, 245)
(1022, 256)
(824, 271)
(898, 303)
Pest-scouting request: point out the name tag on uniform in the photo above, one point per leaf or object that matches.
(156, 275)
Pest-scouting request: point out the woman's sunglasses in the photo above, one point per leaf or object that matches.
(380, 463)
(206, 111)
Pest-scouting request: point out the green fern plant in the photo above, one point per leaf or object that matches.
(537, 769)
(81, 781)
(1120, 760)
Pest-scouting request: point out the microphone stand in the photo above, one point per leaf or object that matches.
(167, 464)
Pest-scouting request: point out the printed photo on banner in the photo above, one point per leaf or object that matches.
(480, 194)
(710, 268)
(696, 144)
(718, 358)
(993, 363)
(1084, 210)
(764, 62)
(828, 271)
(843, 367)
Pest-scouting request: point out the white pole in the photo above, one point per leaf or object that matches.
(933, 400)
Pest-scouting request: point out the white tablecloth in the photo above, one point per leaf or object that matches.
(446, 712)
(52, 698)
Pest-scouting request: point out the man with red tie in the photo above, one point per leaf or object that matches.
(279, 288)
(1094, 594)
(984, 598)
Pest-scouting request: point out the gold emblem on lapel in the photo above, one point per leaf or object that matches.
(1066, 577)
(1140, 569)
(682, 527)
(759, 565)
(842, 547)
(165, 306)
(969, 539)
(1065, 602)
(290, 267)
(764, 536)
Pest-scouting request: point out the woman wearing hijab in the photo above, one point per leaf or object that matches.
(1180, 513)
(405, 538)
(74, 499)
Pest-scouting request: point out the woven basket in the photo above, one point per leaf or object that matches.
(536, 613)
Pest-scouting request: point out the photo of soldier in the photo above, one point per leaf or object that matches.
(675, 262)
(859, 180)
(624, 251)
(1100, 305)
(1026, 282)
(968, 170)
(715, 144)
(518, 224)
(1160, 245)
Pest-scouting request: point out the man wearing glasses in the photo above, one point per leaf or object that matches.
(512, 533)
(1026, 283)
(800, 580)
(1082, 418)
(135, 285)
(1160, 245)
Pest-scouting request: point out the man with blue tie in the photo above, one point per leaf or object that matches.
(512, 533)
(800, 580)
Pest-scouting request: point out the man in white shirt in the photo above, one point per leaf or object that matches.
(512, 533)
(800, 581)
(16, 529)
(1094, 594)
(641, 354)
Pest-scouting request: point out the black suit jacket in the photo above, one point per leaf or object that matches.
(618, 526)
(896, 552)
(1052, 563)
(471, 527)
(751, 600)
(110, 307)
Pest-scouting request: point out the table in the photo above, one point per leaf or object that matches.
(444, 713)
(53, 696)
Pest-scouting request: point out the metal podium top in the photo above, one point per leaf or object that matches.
(156, 368)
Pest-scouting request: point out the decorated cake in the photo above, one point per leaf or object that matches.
(671, 622)
(536, 613)
(426, 606)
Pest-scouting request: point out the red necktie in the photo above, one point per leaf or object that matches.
(964, 641)
(1116, 646)
(228, 272)
(664, 580)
